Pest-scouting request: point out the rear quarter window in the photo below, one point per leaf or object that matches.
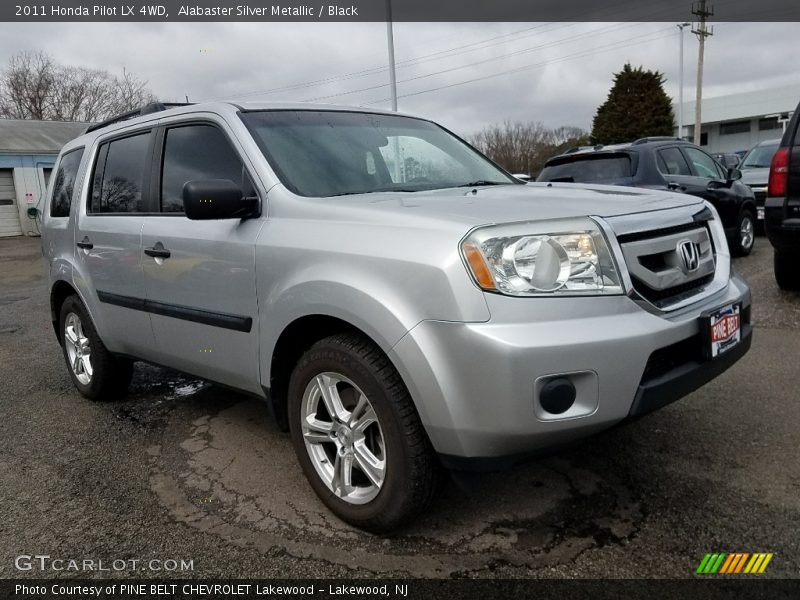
(64, 184)
(589, 170)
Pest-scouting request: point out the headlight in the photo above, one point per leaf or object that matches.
(543, 258)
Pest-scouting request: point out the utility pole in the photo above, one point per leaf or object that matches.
(681, 26)
(398, 174)
(702, 32)
(390, 41)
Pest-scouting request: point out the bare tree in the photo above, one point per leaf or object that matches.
(524, 147)
(34, 86)
(27, 85)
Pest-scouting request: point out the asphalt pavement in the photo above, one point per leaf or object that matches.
(189, 472)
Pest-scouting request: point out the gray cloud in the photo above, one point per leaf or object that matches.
(563, 69)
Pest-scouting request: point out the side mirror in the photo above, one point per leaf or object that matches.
(734, 174)
(217, 199)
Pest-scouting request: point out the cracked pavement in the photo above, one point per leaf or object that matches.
(183, 469)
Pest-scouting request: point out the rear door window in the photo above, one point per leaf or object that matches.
(64, 184)
(119, 175)
(589, 170)
(672, 162)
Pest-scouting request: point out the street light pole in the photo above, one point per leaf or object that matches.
(680, 83)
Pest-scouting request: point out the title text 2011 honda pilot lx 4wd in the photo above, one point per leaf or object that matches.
(400, 301)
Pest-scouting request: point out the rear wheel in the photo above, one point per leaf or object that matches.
(787, 270)
(357, 434)
(745, 234)
(96, 373)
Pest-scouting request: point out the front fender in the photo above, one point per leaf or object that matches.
(383, 323)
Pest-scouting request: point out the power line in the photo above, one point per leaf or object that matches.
(550, 44)
(439, 55)
(608, 47)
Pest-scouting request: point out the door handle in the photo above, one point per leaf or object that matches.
(158, 251)
(85, 243)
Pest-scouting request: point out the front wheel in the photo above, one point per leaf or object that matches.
(96, 373)
(357, 434)
(787, 270)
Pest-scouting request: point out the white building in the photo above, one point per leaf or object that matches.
(28, 151)
(739, 121)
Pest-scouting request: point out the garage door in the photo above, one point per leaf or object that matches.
(9, 216)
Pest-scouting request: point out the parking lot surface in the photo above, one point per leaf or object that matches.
(185, 470)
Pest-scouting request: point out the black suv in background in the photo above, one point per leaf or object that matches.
(669, 164)
(782, 207)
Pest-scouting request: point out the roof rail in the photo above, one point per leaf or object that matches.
(655, 138)
(147, 109)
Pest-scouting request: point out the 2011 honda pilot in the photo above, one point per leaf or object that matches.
(399, 301)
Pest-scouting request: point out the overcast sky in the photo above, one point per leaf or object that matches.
(556, 73)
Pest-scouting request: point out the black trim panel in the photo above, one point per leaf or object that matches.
(186, 313)
(686, 378)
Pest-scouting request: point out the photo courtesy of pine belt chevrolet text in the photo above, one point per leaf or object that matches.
(401, 303)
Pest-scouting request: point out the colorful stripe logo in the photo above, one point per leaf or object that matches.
(734, 563)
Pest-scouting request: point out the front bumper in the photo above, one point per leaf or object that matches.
(475, 384)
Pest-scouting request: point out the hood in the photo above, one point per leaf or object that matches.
(755, 176)
(507, 204)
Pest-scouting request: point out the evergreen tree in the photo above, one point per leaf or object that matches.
(637, 106)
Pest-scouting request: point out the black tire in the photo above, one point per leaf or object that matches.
(743, 244)
(411, 469)
(787, 270)
(110, 376)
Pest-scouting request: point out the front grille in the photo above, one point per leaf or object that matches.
(649, 235)
(655, 261)
(662, 298)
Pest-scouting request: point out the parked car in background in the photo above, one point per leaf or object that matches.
(782, 206)
(667, 164)
(729, 161)
(755, 171)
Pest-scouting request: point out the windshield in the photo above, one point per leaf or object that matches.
(333, 153)
(590, 169)
(760, 156)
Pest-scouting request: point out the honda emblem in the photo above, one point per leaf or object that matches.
(689, 256)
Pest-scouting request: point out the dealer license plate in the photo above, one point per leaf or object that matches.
(724, 329)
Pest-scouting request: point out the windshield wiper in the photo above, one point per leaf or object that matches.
(481, 182)
(372, 191)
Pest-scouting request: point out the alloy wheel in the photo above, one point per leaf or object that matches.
(746, 233)
(343, 437)
(78, 349)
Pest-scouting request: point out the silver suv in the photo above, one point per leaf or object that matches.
(399, 301)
